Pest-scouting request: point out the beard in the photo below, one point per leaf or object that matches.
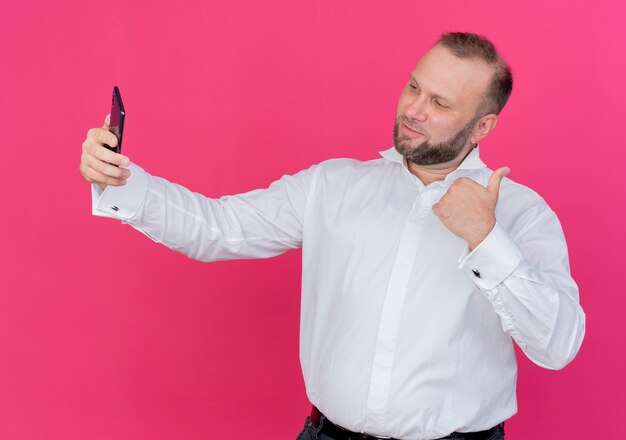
(426, 153)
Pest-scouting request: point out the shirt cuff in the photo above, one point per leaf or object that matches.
(121, 202)
(493, 260)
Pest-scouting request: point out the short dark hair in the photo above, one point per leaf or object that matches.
(466, 45)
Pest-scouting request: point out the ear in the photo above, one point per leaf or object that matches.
(484, 126)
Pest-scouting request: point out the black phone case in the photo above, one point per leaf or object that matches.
(116, 123)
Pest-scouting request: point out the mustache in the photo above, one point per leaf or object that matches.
(412, 124)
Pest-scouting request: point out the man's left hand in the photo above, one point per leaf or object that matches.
(468, 208)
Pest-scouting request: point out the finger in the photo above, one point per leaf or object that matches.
(107, 121)
(102, 136)
(89, 162)
(437, 209)
(105, 155)
(494, 180)
(93, 146)
(107, 169)
(94, 176)
(98, 152)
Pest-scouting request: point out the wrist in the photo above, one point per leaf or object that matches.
(480, 234)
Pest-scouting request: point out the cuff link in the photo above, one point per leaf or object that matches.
(476, 273)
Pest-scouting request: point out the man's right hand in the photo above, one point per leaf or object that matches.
(97, 162)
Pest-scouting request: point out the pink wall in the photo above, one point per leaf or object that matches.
(105, 335)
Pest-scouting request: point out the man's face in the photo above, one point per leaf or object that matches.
(437, 109)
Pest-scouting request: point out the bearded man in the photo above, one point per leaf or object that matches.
(420, 268)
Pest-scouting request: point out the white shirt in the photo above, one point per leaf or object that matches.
(404, 333)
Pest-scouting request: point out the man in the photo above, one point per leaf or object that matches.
(419, 268)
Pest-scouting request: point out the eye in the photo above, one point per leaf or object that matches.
(413, 86)
(440, 104)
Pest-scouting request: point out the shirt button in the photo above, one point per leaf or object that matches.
(115, 208)
(476, 273)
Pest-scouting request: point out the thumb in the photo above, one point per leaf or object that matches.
(493, 185)
(107, 121)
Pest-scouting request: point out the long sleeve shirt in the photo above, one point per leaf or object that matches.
(404, 332)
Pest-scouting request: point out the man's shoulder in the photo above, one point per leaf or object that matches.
(350, 163)
(345, 171)
(515, 192)
(349, 168)
(511, 191)
(338, 171)
(521, 205)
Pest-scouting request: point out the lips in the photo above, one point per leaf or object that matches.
(411, 131)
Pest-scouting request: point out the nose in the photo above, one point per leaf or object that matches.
(418, 108)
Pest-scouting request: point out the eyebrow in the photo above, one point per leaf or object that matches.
(435, 95)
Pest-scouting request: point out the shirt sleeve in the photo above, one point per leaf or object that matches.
(121, 202)
(257, 224)
(527, 280)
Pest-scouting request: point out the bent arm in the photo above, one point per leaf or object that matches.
(526, 277)
(257, 224)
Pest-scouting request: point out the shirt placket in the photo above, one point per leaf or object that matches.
(391, 314)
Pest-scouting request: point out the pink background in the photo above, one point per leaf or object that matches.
(106, 335)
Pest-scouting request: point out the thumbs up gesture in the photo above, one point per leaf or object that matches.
(468, 208)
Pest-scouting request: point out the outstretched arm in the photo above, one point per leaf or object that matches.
(257, 224)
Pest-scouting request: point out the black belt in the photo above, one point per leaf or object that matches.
(338, 433)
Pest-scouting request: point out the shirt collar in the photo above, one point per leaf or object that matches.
(471, 162)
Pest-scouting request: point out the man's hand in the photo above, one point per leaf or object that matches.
(97, 162)
(468, 208)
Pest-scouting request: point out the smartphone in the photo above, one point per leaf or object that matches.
(116, 123)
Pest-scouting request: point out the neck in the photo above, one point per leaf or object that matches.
(433, 173)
